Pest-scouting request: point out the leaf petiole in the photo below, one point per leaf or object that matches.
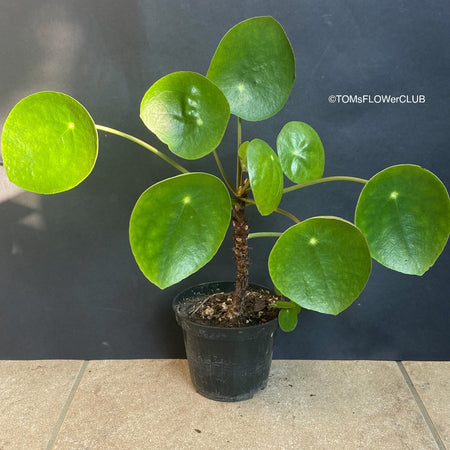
(264, 234)
(278, 210)
(323, 180)
(143, 144)
(222, 172)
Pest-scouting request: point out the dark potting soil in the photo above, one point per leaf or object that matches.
(213, 309)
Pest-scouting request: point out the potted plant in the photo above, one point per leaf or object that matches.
(402, 218)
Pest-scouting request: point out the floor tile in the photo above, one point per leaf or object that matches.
(32, 395)
(432, 382)
(150, 404)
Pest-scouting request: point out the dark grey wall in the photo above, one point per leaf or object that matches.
(69, 287)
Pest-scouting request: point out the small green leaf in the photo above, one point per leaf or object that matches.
(321, 264)
(177, 226)
(242, 152)
(49, 143)
(288, 318)
(254, 66)
(266, 176)
(284, 304)
(187, 112)
(404, 212)
(301, 152)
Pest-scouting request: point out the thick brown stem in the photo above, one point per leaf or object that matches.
(240, 239)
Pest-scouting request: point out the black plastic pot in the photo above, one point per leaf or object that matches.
(226, 364)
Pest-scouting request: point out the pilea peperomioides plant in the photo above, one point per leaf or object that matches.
(402, 219)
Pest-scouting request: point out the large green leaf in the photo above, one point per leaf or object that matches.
(404, 212)
(255, 68)
(187, 112)
(321, 264)
(301, 152)
(266, 176)
(177, 226)
(49, 143)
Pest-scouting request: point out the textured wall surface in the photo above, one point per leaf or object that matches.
(69, 286)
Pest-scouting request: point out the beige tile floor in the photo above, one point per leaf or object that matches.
(151, 404)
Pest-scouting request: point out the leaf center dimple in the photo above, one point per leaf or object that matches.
(394, 195)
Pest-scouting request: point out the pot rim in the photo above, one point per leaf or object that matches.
(177, 301)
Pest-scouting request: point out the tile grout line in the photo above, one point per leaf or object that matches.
(421, 406)
(66, 406)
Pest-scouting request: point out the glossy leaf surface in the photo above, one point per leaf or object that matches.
(255, 68)
(301, 152)
(49, 143)
(321, 264)
(177, 226)
(187, 112)
(266, 176)
(404, 212)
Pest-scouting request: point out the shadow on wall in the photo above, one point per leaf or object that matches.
(69, 285)
(73, 47)
(70, 288)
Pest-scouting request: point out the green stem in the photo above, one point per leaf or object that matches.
(278, 210)
(143, 144)
(287, 214)
(222, 172)
(323, 180)
(264, 234)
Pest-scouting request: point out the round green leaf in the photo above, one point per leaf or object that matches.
(177, 226)
(187, 112)
(301, 152)
(404, 212)
(321, 264)
(288, 319)
(266, 176)
(49, 143)
(288, 315)
(254, 66)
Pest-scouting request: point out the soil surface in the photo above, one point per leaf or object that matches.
(214, 309)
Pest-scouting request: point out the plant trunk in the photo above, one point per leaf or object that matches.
(240, 249)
